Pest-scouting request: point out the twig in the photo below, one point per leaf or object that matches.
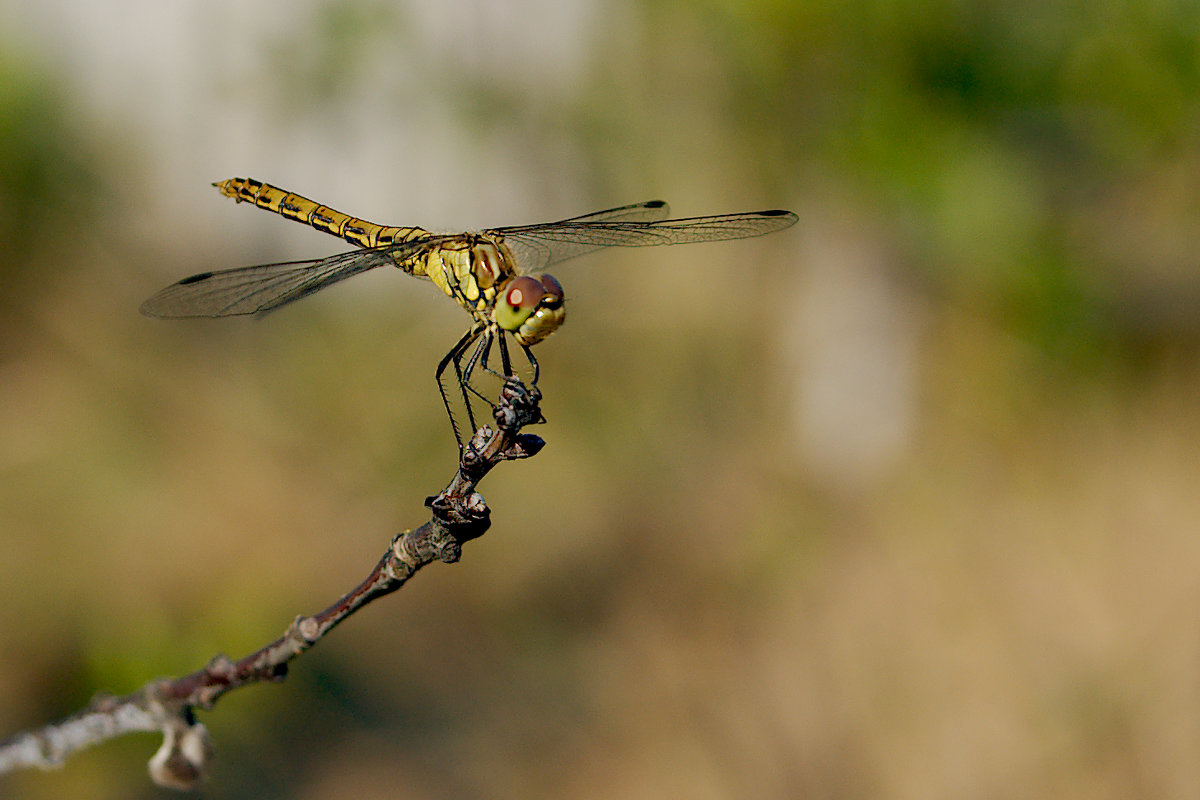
(459, 514)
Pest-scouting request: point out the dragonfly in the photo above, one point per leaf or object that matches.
(496, 275)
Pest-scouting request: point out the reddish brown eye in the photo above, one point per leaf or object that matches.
(524, 292)
(554, 290)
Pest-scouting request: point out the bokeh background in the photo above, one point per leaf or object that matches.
(900, 503)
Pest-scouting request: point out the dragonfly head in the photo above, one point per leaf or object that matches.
(531, 308)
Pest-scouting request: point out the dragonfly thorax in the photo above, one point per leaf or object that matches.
(490, 265)
(470, 270)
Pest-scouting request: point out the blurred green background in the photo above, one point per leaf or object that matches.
(899, 503)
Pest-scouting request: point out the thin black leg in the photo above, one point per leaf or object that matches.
(505, 363)
(533, 363)
(453, 357)
(478, 358)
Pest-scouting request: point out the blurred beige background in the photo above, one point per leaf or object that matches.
(899, 503)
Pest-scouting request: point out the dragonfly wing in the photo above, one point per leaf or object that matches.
(534, 254)
(261, 289)
(558, 241)
(650, 211)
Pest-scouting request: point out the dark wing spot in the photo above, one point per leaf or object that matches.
(656, 204)
(774, 212)
(203, 276)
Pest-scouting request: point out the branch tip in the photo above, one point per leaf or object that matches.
(525, 445)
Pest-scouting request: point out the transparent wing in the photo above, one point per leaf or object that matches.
(550, 243)
(533, 254)
(261, 289)
(649, 211)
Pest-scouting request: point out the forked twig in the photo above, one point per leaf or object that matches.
(459, 514)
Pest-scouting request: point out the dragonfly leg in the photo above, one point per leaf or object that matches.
(533, 364)
(479, 359)
(494, 336)
(488, 338)
(537, 371)
(455, 357)
(509, 371)
(510, 375)
(505, 363)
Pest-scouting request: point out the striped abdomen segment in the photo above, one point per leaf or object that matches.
(323, 218)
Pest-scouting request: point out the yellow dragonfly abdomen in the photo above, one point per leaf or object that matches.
(453, 266)
(323, 218)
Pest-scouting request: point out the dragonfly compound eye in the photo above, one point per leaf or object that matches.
(518, 301)
(554, 291)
